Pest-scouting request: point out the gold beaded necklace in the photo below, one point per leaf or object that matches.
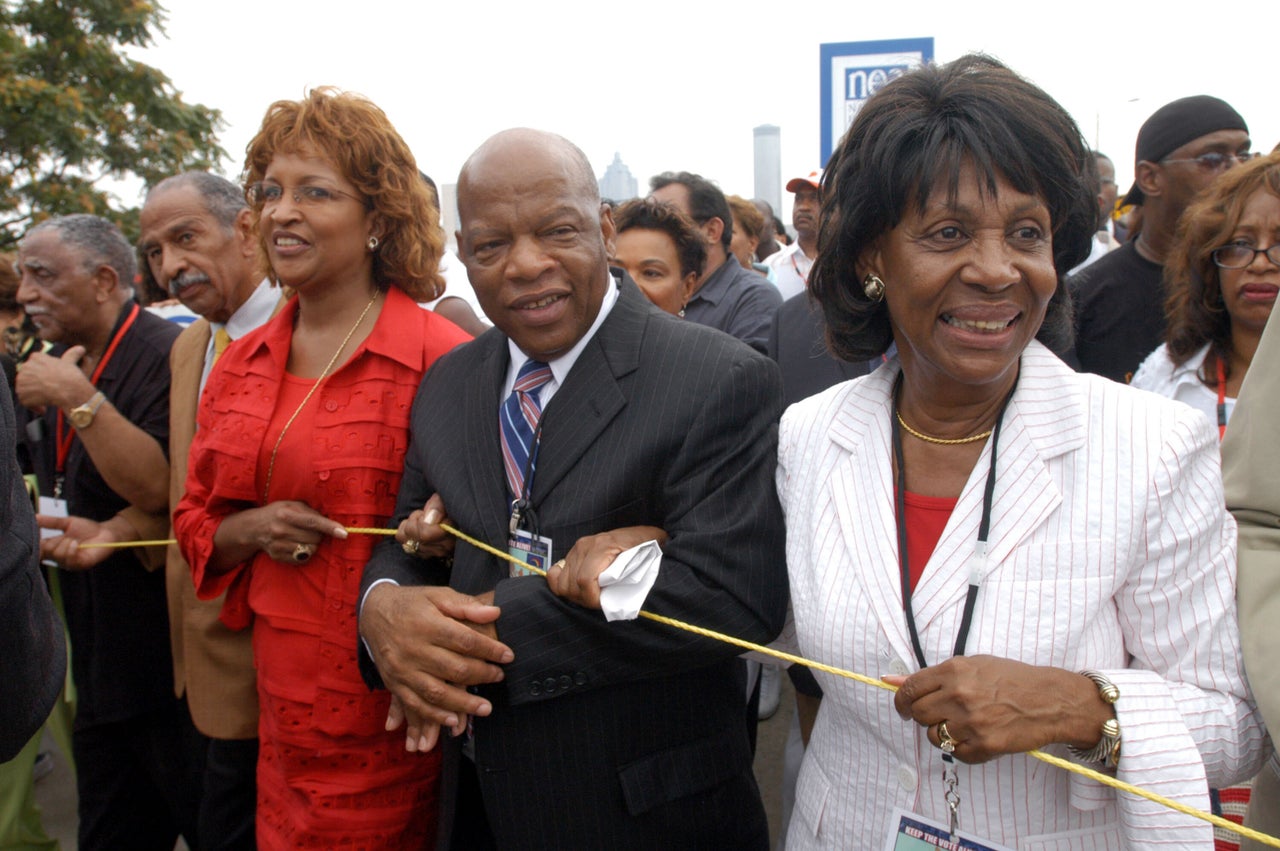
(942, 441)
(271, 466)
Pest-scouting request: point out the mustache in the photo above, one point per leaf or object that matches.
(186, 279)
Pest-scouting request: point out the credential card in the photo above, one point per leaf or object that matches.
(911, 832)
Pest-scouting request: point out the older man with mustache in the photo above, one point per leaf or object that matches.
(198, 244)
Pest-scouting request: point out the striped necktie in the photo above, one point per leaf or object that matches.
(518, 419)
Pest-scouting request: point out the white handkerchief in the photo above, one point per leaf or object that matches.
(626, 583)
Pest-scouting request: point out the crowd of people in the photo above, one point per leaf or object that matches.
(965, 431)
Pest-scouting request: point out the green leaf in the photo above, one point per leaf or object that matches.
(74, 109)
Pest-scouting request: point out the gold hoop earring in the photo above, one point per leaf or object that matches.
(873, 287)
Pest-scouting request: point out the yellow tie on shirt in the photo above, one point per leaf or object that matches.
(221, 339)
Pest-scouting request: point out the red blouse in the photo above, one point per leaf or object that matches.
(360, 435)
(328, 770)
(926, 520)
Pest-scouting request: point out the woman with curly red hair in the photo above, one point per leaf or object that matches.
(301, 433)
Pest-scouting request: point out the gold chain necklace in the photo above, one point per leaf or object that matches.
(943, 441)
(307, 398)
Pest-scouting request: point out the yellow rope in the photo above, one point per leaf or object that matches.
(120, 545)
(1066, 765)
(351, 530)
(1105, 779)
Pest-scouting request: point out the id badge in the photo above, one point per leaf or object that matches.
(911, 832)
(530, 549)
(54, 508)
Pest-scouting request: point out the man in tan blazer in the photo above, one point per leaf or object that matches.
(1251, 474)
(198, 243)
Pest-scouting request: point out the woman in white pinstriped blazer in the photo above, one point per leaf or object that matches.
(1040, 559)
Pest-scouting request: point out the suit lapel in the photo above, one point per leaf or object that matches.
(861, 490)
(590, 397)
(483, 445)
(185, 370)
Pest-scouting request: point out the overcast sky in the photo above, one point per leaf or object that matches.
(680, 85)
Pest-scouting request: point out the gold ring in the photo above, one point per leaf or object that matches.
(559, 564)
(301, 553)
(410, 546)
(946, 742)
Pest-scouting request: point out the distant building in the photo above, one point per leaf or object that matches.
(768, 165)
(617, 183)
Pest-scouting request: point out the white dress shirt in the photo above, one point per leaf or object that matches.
(791, 267)
(1158, 375)
(560, 366)
(255, 311)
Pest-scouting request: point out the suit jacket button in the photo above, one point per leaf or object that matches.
(535, 689)
(566, 681)
(580, 678)
(549, 685)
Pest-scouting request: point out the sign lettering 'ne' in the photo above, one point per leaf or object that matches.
(862, 83)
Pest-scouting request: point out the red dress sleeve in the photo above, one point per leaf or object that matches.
(195, 521)
(237, 401)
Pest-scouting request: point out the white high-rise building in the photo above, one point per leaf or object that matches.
(768, 165)
(617, 183)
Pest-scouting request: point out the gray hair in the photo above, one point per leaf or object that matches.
(101, 242)
(222, 198)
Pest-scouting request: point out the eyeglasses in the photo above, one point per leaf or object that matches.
(1215, 160)
(1239, 256)
(261, 195)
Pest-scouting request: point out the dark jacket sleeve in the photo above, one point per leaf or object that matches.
(33, 655)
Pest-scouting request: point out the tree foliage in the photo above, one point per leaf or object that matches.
(75, 109)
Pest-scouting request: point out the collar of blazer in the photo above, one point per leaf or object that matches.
(1046, 419)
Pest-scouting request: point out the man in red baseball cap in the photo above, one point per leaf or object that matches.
(791, 265)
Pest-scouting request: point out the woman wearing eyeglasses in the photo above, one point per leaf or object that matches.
(302, 432)
(1222, 277)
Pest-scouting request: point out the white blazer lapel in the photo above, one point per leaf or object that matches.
(861, 490)
(1041, 423)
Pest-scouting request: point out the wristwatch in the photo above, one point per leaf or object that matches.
(1107, 751)
(82, 416)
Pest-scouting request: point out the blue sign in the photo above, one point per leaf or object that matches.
(853, 71)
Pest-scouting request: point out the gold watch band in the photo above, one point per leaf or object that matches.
(82, 416)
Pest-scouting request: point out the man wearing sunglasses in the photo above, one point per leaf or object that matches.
(1120, 299)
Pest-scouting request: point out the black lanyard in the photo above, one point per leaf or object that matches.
(521, 507)
(977, 565)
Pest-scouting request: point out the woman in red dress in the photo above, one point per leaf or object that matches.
(302, 431)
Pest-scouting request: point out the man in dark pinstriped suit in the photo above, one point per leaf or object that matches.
(587, 734)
